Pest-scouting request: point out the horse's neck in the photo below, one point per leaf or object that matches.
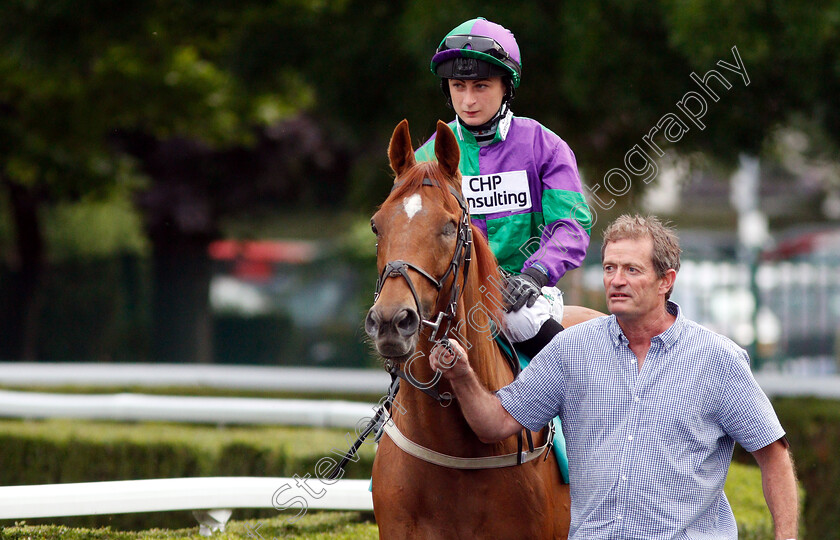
(478, 328)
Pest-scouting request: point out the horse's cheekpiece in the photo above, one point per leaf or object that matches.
(460, 256)
(459, 264)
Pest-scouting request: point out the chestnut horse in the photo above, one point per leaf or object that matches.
(437, 277)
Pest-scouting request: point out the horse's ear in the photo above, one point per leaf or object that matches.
(446, 150)
(400, 151)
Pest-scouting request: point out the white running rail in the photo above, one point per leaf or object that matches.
(294, 379)
(208, 410)
(211, 498)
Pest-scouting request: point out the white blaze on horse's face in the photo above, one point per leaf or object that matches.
(412, 205)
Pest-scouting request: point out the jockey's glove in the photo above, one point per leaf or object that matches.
(524, 289)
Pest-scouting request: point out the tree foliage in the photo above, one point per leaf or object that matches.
(225, 107)
(600, 73)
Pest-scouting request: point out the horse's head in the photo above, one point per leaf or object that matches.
(423, 238)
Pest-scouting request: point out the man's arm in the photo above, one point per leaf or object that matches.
(778, 480)
(483, 410)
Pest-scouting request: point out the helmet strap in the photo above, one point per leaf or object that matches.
(444, 87)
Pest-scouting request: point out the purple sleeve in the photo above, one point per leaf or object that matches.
(566, 215)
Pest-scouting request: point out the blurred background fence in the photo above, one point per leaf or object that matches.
(278, 303)
(285, 304)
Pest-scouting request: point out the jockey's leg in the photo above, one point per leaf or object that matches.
(532, 328)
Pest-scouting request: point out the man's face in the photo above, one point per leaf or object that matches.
(632, 287)
(476, 101)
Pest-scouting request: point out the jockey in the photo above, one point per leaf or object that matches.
(521, 180)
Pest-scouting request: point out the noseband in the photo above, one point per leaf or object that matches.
(461, 255)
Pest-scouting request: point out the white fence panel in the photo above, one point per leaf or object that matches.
(209, 410)
(210, 498)
(294, 379)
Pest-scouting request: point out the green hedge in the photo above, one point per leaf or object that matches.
(743, 489)
(63, 451)
(813, 429)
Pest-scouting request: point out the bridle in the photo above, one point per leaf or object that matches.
(459, 264)
(461, 255)
(382, 422)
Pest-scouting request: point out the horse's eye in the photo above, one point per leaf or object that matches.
(373, 228)
(449, 229)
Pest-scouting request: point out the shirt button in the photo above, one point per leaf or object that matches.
(636, 399)
(618, 516)
(624, 477)
(630, 438)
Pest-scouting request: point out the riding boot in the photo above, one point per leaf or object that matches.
(530, 347)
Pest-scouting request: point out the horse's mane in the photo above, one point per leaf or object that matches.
(484, 281)
(486, 288)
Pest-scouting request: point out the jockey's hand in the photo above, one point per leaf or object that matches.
(450, 359)
(524, 289)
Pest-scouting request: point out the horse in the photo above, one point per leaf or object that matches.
(432, 477)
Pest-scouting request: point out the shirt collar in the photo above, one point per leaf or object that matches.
(504, 126)
(668, 338)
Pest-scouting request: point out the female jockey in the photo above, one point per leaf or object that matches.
(521, 180)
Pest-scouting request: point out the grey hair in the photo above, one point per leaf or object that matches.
(666, 244)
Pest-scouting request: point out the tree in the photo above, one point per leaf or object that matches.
(197, 97)
(81, 83)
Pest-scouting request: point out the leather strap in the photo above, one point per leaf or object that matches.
(453, 462)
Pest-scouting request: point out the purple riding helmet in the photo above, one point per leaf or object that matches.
(478, 49)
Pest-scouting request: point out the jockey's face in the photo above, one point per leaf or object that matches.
(476, 101)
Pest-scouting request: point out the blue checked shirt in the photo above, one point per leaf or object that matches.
(648, 449)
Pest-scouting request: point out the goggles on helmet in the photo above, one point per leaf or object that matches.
(482, 44)
(458, 53)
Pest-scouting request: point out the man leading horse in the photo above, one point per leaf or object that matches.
(651, 402)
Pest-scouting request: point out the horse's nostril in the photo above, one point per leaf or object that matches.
(407, 322)
(371, 323)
